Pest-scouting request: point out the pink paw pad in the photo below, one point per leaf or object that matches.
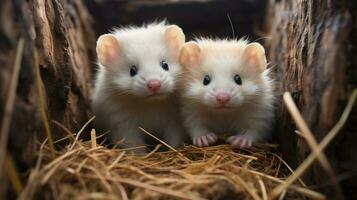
(205, 140)
(240, 142)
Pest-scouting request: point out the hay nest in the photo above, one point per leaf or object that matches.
(87, 170)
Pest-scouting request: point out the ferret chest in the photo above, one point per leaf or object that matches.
(224, 123)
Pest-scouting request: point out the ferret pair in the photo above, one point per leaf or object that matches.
(207, 89)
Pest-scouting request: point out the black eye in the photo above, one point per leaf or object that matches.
(237, 79)
(206, 80)
(164, 65)
(133, 70)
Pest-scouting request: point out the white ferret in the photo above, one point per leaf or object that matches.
(136, 81)
(226, 90)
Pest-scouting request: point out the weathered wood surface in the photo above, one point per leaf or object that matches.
(312, 45)
(61, 34)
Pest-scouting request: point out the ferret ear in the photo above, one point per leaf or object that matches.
(254, 56)
(174, 38)
(108, 50)
(189, 54)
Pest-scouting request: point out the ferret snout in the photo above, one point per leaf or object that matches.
(223, 98)
(154, 85)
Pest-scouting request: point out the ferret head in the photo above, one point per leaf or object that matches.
(141, 61)
(222, 74)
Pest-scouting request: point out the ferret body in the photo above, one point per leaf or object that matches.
(136, 82)
(226, 90)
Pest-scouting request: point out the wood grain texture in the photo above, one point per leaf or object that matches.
(61, 34)
(311, 47)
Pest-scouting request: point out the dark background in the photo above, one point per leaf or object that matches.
(195, 17)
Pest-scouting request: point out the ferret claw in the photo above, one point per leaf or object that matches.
(205, 140)
(239, 141)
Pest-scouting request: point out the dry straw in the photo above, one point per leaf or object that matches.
(311, 141)
(13, 175)
(42, 101)
(9, 104)
(85, 170)
(89, 170)
(319, 149)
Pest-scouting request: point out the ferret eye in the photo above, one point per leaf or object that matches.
(133, 70)
(237, 79)
(164, 65)
(206, 80)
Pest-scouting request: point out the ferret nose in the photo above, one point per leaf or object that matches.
(154, 85)
(223, 98)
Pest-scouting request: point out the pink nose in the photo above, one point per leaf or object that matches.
(154, 85)
(223, 98)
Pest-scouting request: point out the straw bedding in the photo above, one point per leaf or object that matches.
(87, 170)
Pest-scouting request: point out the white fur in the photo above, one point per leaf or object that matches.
(250, 111)
(123, 103)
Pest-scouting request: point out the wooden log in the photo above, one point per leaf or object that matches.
(60, 33)
(312, 46)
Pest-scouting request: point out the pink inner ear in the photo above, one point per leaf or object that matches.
(112, 54)
(192, 60)
(252, 60)
(174, 46)
(174, 39)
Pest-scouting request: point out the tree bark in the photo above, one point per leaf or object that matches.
(61, 35)
(311, 47)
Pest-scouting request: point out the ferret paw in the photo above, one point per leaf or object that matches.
(240, 141)
(205, 140)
